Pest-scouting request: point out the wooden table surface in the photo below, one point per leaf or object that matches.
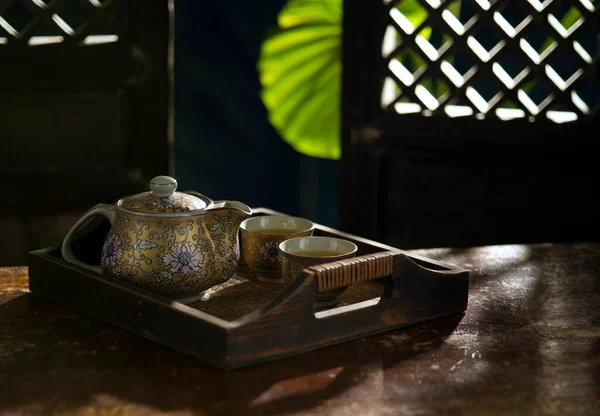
(529, 344)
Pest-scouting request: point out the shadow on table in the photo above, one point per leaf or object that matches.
(530, 336)
(54, 359)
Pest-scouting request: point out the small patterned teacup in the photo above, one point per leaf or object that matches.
(301, 253)
(260, 239)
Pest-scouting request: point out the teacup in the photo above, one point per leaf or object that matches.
(260, 239)
(301, 253)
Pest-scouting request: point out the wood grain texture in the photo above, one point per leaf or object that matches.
(529, 344)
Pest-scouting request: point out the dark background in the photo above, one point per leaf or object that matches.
(225, 146)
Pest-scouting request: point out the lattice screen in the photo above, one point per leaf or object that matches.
(505, 59)
(35, 23)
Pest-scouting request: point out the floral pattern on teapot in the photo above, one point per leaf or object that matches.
(173, 256)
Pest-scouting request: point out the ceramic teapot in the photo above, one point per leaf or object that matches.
(175, 244)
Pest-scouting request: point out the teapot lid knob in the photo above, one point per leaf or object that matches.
(162, 186)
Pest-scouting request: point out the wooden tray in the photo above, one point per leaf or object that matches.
(245, 322)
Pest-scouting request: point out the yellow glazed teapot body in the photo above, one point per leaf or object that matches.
(175, 244)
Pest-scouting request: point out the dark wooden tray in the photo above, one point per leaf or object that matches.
(245, 322)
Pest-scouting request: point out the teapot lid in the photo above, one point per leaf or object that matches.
(162, 199)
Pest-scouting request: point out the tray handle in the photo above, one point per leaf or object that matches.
(353, 270)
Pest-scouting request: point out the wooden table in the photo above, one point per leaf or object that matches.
(529, 344)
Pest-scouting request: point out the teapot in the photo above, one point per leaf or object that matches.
(175, 244)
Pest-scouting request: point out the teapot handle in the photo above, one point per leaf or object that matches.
(104, 210)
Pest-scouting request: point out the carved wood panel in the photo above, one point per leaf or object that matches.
(86, 112)
(474, 123)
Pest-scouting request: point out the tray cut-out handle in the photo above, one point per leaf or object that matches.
(345, 272)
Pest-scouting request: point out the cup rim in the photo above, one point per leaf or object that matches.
(308, 222)
(332, 258)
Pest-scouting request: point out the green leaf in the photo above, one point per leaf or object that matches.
(144, 245)
(298, 12)
(300, 72)
(167, 275)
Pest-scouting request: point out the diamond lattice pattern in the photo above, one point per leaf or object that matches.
(507, 59)
(34, 23)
